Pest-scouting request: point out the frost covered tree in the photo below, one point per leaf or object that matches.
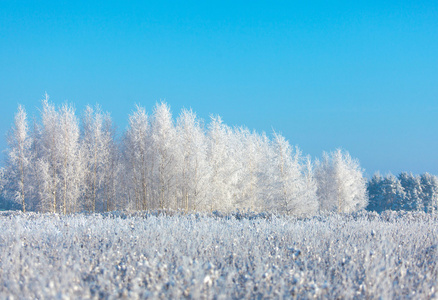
(164, 151)
(393, 193)
(376, 200)
(48, 158)
(341, 185)
(264, 178)
(62, 166)
(58, 159)
(96, 146)
(139, 159)
(3, 202)
(71, 172)
(19, 160)
(2, 180)
(309, 196)
(223, 178)
(290, 180)
(250, 160)
(405, 192)
(412, 187)
(192, 161)
(113, 169)
(429, 192)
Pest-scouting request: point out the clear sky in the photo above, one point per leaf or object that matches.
(326, 74)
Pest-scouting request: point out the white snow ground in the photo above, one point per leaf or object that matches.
(218, 257)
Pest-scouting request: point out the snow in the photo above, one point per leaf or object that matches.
(215, 256)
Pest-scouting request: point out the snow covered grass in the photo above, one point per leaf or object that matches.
(213, 256)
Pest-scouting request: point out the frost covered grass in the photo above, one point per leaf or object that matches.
(144, 255)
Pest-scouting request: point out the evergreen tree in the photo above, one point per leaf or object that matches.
(429, 192)
(393, 193)
(412, 188)
(376, 200)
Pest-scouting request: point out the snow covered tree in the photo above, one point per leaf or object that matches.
(291, 180)
(376, 200)
(58, 159)
(249, 160)
(412, 187)
(405, 192)
(62, 167)
(19, 160)
(192, 161)
(309, 195)
(341, 185)
(2, 180)
(429, 192)
(264, 178)
(113, 169)
(139, 158)
(393, 193)
(48, 157)
(70, 171)
(163, 152)
(224, 177)
(96, 150)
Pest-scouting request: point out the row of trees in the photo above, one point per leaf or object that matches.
(64, 165)
(405, 192)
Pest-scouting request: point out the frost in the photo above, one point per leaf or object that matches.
(212, 256)
(63, 164)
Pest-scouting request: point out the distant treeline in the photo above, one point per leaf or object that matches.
(405, 192)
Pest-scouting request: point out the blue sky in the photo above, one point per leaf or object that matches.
(326, 74)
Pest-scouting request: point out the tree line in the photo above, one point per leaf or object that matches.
(63, 163)
(404, 192)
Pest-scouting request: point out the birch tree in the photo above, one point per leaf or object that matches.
(192, 163)
(19, 159)
(249, 160)
(309, 199)
(113, 168)
(139, 159)
(223, 177)
(291, 179)
(164, 151)
(48, 158)
(341, 185)
(96, 151)
(70, 172)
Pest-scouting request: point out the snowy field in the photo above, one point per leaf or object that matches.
(194, 256)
